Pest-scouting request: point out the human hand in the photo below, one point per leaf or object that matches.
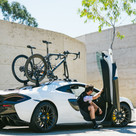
(102, 90)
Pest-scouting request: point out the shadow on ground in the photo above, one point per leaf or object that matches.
(67, 129)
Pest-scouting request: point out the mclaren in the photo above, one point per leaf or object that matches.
(52, 103)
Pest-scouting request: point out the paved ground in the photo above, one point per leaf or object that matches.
(73, 130)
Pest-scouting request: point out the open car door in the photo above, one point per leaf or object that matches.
(108, 70)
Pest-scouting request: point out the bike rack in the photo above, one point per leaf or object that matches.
(25, 83)
(37, 82)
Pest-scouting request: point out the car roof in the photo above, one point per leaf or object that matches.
(53, 84)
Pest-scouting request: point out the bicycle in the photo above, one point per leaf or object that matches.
(18, 66)
(41, 66)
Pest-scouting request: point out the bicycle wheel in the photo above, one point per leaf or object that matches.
(38, 70)
(18, 68)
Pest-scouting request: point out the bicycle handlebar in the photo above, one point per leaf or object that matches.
(64, 55)
(77, 54)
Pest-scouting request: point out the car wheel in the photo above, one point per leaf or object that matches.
(44, 117)
(122, 118)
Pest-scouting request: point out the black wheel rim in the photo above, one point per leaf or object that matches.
(121, 118)
(46, 118)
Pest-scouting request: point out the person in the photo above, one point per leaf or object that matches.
(86, 104)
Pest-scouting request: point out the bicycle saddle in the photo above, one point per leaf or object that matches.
(29, 46)
(46, 42)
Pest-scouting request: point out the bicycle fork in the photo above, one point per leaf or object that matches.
(66, 73)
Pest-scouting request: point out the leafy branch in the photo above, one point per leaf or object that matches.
(107, 13)
(17, 13)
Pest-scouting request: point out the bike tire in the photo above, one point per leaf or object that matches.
(38, 69)
(18, 68)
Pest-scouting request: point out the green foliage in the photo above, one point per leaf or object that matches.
(107, 12)
(120, 36)
(17, 13)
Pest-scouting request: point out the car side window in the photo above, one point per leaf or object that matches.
(77, 90)
(66, 89)
(74, 89)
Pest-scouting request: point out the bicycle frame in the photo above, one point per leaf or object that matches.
(50, 70)
(42, 67)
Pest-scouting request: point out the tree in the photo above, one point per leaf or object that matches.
(17, 13)
(108, 13)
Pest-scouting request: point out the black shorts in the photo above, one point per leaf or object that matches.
(85, 109)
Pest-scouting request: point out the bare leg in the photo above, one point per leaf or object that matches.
(92, 115)
(96, 107)
(92, 111)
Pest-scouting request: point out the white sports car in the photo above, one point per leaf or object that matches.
(56, 102)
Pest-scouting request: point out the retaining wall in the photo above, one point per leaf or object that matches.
(13, 41)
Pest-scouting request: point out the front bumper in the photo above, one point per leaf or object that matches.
(133, 115)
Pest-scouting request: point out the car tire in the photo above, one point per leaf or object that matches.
(18, 68)
(44, 117)
(122, 118)
(36, 68)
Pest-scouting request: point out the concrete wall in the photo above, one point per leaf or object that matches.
(124, 52)
(13, 41)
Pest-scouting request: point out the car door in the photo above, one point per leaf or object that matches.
(108, 70)
(69, 94)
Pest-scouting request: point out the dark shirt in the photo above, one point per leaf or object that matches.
(83, 104)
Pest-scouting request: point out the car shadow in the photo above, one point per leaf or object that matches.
(125, 130)
(66, 129)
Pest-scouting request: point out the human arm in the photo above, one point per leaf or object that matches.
(97, 95)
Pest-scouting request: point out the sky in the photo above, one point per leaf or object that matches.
(59, 16)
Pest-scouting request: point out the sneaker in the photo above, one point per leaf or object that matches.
(97, 126)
